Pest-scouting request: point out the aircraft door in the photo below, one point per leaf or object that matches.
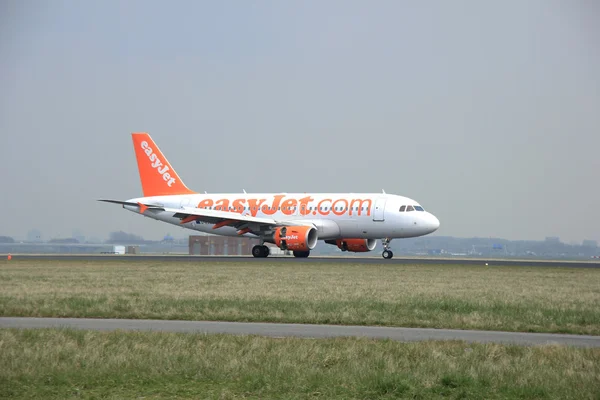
(378, 212)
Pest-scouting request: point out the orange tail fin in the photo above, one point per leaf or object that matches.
(157, 176)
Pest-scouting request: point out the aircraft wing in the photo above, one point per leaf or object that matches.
(245, 223)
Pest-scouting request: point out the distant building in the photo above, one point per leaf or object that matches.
(132, 250)
(78, 235)
(552, 239)
(34, 236)
(63, 241)
(590, 243)
(221, 245)
(118, 249)
(168, 238)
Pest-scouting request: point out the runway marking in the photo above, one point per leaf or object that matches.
(303, 330)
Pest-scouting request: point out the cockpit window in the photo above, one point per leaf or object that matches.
(403, 208)
(410, 208)
(419, 208)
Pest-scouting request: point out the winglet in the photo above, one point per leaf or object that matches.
(157, 175)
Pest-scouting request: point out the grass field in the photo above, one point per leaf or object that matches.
(62, 364)
(468, 297)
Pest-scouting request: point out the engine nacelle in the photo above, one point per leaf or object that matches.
(299, 238)
(354, 245)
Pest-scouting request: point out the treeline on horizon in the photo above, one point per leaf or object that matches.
(114, 238)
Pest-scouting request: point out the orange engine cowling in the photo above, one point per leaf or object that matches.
(354, 245)
(299, 238)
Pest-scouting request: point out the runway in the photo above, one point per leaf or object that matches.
(312, 259)
(303, 330)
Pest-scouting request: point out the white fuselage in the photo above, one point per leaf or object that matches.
(334, 215)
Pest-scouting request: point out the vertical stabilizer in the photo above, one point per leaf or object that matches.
(157, 175)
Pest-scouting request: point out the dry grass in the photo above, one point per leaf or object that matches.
(468, 297)
(63, 364)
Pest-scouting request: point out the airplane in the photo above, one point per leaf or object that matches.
(292, 221)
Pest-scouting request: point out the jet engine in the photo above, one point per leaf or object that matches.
(296, 238)
(354, 245)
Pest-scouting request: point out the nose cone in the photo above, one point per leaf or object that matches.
(432, 223)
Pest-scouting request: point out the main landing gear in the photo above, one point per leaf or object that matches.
(260, 251)
(387, 253)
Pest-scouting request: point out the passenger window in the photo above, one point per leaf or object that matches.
(410, 208)
(403, 208)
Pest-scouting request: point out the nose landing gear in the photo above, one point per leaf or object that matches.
(387, 253)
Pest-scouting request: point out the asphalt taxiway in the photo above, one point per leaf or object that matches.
(303, 330)
(312, 259)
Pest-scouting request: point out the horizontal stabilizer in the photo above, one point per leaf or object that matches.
(129, 203)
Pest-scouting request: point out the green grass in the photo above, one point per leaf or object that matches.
(62, 364)
(532, 299)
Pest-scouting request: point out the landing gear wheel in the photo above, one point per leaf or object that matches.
(301, 254)
(260, 251)
(387, 253)
(266, 251)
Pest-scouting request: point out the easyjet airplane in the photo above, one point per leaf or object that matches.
(292, 221)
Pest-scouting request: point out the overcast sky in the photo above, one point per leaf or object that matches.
(487, 113)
